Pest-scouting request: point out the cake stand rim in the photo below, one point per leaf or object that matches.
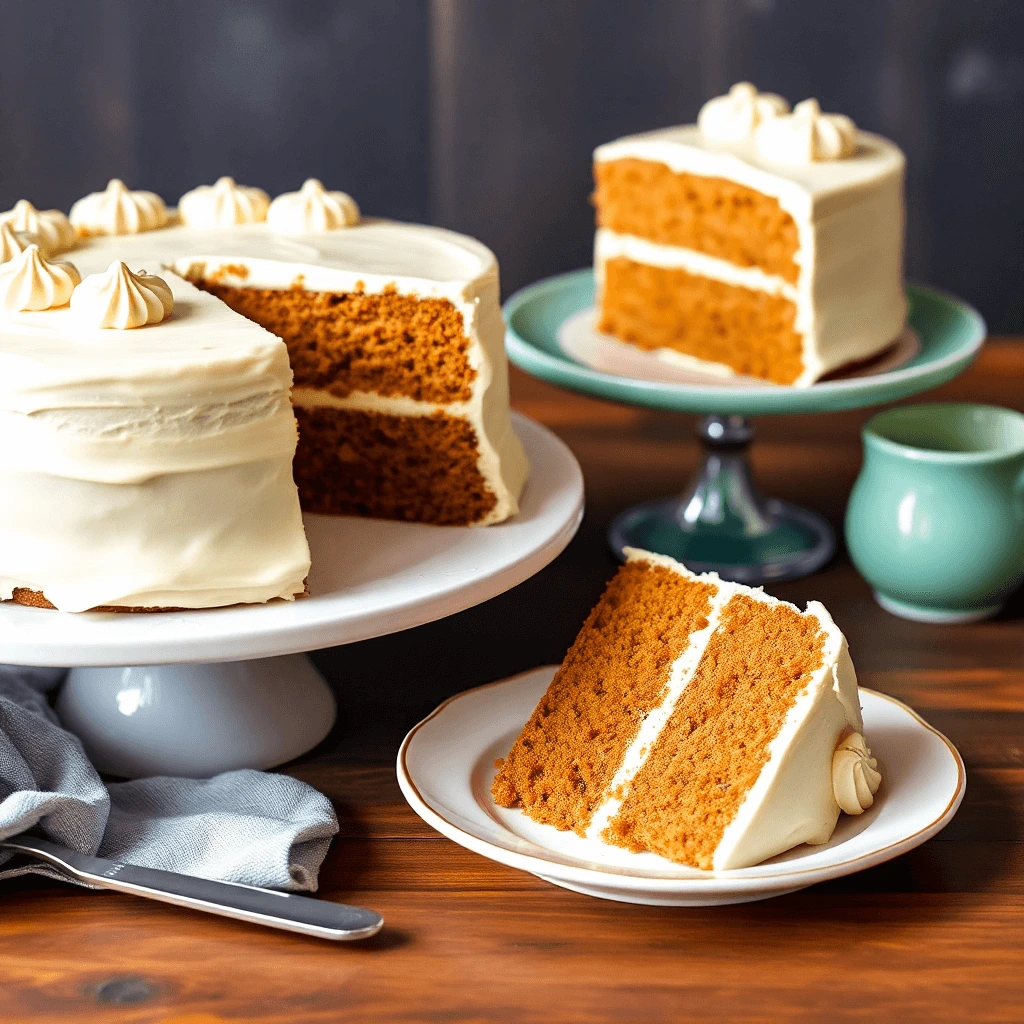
(827, 396)
(310, 624)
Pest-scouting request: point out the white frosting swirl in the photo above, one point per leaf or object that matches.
(312, 209)
(52, 230)
(31, 282)
(13, 243)
(122, 300)
(805, 136)
(118, 211)
(855, 775)
(223, 205)
(735, 116)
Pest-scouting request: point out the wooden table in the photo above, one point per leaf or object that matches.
(937, 935)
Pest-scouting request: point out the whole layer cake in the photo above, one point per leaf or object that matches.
(153, 467)
(757, 242)
(696, 719)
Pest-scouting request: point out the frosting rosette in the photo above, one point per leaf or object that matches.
(735, 116)
(51, 228)
(121, 300)
(13, 243)
(118, 210)
(30, 282)
(806, 136)
(312, 209)
(223, 205)
(855, 775)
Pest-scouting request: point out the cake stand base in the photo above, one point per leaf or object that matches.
(722, 524)
(197, 720)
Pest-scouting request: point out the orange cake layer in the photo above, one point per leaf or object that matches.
(390, 344)
(416, 468)
(715, 743)
(613, 676)
(710, 215)
(666, 307)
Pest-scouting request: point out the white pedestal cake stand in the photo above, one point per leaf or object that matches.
(200, 692)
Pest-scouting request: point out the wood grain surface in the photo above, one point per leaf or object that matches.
(934, 936)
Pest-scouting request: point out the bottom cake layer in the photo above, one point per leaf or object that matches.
(422, 468)
(653, 307)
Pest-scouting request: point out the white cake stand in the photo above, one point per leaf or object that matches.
(200, 692)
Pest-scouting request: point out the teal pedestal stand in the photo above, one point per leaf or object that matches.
(720, 522)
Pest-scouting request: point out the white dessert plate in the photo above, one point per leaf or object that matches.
(446, 765)
(369, 577)
(580, 339)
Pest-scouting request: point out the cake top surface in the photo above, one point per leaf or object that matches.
(753, 137)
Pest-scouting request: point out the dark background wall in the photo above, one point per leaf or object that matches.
(481, 115)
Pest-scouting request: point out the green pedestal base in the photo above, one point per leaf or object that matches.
(721, 524)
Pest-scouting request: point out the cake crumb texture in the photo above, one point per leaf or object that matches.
(389, 344)
(715, 743)
(416, 468)
(710, 215)
(613, 676)
(667, 307)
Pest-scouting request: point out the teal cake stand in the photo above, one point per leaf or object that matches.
(720, 522)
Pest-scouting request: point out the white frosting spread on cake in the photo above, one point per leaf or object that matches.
(183, 421)
(792, 801)
(118, 210)
(13, 243)
(52, 229)
(735, 116)
(848, 212)
(855, 775)
(122, 300)
(223, 204)
(806, 135)
(30, 282)
(312, 209)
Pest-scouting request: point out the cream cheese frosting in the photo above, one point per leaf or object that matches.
(792, 801)
(855, 775)
(30, 282)
(13, 243)
(223, 205)
(735, 116)
(848, 212)
(312, 209)
(118, 210)
(188, 423)
(806, 135)
(122, 300)
(52, 229)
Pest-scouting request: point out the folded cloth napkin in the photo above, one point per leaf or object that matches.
(243, 826)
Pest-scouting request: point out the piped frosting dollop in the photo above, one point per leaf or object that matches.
(122, 300)
(806, 136)
(118, 210)
(312, 209)
(855, 775)
(30, 282)
(735, 116)
(223, 205)
(13, 243)
(51, 228)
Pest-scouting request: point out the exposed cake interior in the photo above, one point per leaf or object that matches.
(714, 216)
(382, 383)
(716, 742)
(614, 675)
(752, 332)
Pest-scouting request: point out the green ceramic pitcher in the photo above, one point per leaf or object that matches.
(935, 522)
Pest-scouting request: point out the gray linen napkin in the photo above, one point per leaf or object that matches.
(242, 826)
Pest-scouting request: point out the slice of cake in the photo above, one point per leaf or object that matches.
(697, 719)
(765, 242)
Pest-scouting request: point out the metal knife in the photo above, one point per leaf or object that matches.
(268, 907)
